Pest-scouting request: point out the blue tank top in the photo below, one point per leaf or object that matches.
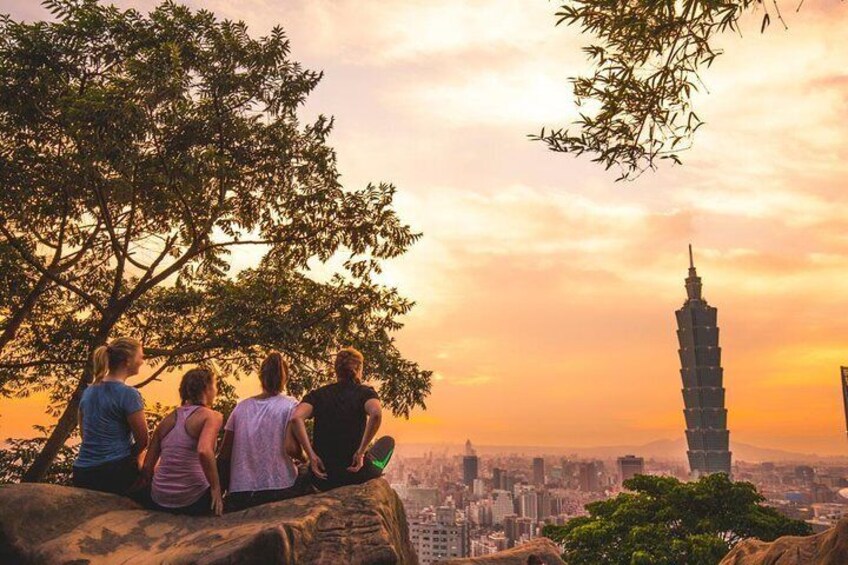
(105, 430)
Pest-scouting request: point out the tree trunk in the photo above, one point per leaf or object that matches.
(66, 424)
(64, 427)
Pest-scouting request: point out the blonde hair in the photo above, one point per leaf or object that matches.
(349, 362)
(112, 355)
(274, 373)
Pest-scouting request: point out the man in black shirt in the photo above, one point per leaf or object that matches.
(347, 416)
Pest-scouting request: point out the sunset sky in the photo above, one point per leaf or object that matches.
(546, 291)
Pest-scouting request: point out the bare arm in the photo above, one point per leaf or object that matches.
(375, 418)
(152, 456)
(206, 452)
(138, 427)
(301, 414)
(292, 446)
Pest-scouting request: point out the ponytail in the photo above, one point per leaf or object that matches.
(274, 373)
(109, 357)
(101, 363)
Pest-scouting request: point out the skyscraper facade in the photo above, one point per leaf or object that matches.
(629, 466)
(470, 465)
(538, 471)
(703, 391)
(589, 477)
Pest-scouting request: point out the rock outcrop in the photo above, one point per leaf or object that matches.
(827, 548)
(543, 548)
(362, 524)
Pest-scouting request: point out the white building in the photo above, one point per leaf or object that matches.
(440, 538)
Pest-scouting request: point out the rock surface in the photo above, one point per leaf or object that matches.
(827, 548)
(543, 548)
(362, 524)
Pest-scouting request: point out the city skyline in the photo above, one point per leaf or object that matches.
(542, 285)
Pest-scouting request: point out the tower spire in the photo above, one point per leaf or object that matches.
(693, 281)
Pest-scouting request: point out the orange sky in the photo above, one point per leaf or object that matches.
(546, 292)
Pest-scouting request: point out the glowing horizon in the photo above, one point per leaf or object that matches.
(546, 291)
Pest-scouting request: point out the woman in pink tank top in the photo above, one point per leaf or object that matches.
(259, 448)
(185, 480)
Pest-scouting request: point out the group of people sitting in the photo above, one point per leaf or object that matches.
(265, 455)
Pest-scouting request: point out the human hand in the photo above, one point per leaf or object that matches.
(357, 463)
(144, 477)
(317, 466)
(217, 502)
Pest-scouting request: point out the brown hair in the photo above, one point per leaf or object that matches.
(274, 373)
(112, 355)
(194, 384)
(349, 362)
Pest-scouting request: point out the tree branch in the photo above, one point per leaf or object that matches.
(35, 263)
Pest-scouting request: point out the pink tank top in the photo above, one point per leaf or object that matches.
(179, 479)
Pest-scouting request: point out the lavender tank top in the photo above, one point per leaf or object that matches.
(179, 479)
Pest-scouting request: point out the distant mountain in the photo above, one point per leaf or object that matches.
(665, 449)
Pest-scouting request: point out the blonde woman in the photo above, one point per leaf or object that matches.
(111, 420)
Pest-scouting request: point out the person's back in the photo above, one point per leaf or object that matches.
(106, 432)
(111, 420)
(258, 444)
(259, 461)
(340, 417)
(181, 458)
(347, 416)
(179, 479)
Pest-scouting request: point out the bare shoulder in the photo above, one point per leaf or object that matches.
(205, 414)
(167, 423)
(213, 415)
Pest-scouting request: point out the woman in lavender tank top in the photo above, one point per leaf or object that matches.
(259, 448)
(186, 480)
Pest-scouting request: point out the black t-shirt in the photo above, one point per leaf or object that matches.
(339, 412)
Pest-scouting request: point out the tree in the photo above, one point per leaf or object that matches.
(636, 106)
(138, 156)
(663, 521)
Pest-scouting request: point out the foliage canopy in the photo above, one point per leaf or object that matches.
(141, 158)
(663, 521)
(636, 106)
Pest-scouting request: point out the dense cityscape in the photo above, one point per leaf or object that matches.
(467, 505)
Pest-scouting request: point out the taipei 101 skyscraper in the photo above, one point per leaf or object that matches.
(703, 390)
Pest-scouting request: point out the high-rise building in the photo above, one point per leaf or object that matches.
(525, 530)
(498, 478)
(502, 505)
(844, 374)
(589, 477)
(510, 524)
(538, 471)
(629, 466)
(528, 504)
(470, 465)
(544, 504)
(439, 538)
(702, 375)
